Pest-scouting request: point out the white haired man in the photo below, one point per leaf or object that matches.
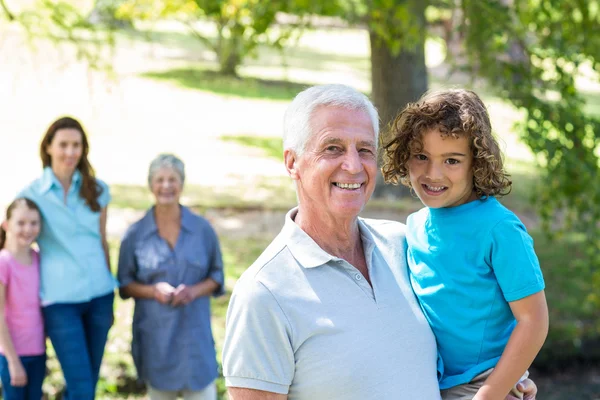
(327, 312)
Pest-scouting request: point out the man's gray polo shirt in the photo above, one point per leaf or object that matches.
(308, 324)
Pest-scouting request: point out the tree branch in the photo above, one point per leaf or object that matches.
(10, 15)
(198, 36)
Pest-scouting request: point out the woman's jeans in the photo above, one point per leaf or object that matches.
(78, 333)
(35, 368)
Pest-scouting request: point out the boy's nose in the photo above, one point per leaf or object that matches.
(434, 172)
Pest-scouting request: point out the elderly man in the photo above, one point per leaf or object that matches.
(327, 312)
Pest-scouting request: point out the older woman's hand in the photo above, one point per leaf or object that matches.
(163, 292)
(183, 295)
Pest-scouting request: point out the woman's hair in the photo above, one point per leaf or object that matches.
(297, 124)
(90, 190)
(166, 161)
(454, 112)
(11, 207)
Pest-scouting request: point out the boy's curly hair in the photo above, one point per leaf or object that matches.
(453, 112)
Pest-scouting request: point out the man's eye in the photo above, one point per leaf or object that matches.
(332, 148)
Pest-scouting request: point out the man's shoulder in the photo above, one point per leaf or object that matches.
(383, 228)
(269, 262)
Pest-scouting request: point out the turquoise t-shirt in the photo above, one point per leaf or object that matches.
(466, 263)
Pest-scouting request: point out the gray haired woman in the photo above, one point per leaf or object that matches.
(170, 263)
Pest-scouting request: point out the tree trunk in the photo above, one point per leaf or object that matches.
(396, 80)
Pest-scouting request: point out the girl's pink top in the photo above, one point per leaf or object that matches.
(22, 308)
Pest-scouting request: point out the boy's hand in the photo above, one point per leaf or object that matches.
(18, 377)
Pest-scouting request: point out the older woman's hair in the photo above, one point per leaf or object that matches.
(166, 161)
(455, 113)
(297, 126)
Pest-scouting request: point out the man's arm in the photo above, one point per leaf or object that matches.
(236, 393)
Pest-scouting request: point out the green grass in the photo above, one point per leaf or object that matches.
(243, 87)
(271, 193)
(271, 146)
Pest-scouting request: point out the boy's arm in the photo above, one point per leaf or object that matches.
(15, 367)
(525, 342)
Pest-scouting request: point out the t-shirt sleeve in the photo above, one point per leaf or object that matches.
(258, 352)
(216, 266)
(514, 261)
(105, 196)
(4, 270)
(127, 269)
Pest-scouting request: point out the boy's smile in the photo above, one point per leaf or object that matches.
(441, 172)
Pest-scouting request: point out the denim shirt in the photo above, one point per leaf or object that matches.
(72, 261)
(172, 347)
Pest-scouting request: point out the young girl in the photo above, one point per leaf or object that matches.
(472, 263)
(22, 341)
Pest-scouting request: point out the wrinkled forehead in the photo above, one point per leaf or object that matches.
(329, 122)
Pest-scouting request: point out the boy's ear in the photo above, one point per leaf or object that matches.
(291, 159)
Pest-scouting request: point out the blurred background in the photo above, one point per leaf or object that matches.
(209, 80)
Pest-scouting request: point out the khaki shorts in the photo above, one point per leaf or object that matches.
(468, 390)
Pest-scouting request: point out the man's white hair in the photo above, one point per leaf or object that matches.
(297, 125)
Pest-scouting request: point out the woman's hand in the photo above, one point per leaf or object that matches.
(18, 377)
(163, 292)
(183, 295)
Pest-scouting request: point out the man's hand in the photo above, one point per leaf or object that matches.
(183, 295)
(528, 388)
(163, 292)
(18, 377)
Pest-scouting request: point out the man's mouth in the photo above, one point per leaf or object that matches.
(348, 186)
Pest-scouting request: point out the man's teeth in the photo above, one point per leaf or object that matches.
(347, 185)
(435, 188)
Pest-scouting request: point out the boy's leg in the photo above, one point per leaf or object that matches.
(64, 326)
(97, 320)
(9, 392)
(155, 394)
(208, 393)
(36, 372)
(468, 390)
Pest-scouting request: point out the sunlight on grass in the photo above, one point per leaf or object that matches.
(211, 81)
(272, 146)
(271, 193)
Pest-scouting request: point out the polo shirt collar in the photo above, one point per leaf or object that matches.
(148, 222)
(308, 253)
(49, 180)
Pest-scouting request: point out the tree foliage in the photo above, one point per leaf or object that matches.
(532, 52)
(61, 22)
(241, 25)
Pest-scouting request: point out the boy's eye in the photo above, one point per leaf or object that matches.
(421, 157)
(452, 161)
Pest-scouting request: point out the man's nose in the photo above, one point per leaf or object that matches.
(352, 162)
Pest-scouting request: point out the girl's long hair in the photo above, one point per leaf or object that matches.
(90, 190)
(21, 200)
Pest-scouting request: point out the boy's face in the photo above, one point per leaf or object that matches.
(442, 172)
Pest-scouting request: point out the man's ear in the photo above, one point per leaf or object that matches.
(291, 162)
